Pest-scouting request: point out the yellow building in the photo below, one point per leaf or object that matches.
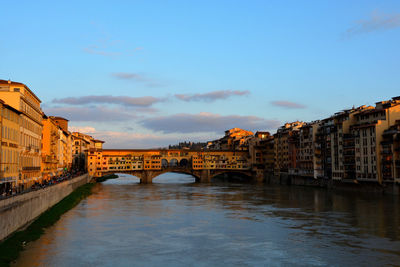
(234, 139)
(368, 134)
(21, 98)
(10, 153)
(81, 143)
(50, 148)
(65, 143)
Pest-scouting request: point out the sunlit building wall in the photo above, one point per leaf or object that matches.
(51, 151)
(21, 98)
(10, 170)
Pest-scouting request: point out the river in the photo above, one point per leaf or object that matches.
(176, 222)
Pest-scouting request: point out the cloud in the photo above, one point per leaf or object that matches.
(95, 50)
(376, 22)
(108, 47)
(83, 129)
(126, 139)
(137, 78)
(206, 122)
(211, 96)
(92, 114)
(129, 76)
(288, 104)
(144, 101)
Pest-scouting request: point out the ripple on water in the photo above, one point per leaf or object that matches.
(179, 223)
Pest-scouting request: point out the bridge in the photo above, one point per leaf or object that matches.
(146, 164)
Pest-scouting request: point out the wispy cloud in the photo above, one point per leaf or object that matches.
(206, 122)
(288, 104)
(92, 114)
(131, 76)
(211, 96)
(108, 47)
(378, 21)
(96, 50)
(144, 101)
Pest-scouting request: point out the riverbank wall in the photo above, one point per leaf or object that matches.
(288, 179)
(18, 211)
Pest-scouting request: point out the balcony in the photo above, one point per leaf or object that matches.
(31, 168)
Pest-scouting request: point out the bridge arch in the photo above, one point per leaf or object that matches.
(184, 163)
(179, 177)
(173, 163)
(164, 163)
(233, 175)
(123, 177)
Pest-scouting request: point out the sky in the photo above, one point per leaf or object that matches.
(141, 74)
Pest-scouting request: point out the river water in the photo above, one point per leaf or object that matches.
(179, 223)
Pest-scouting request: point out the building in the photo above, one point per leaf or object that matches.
(367, 134)
(305, 151)
(234, 139)
(81, 143)
(21, 98)
(322, 149)
(65, 143)
(342, 144)
(10, 170)
(50, 148)
(390, 153)
(261, 150)
(286, 144)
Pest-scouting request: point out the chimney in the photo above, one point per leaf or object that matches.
(9, 81)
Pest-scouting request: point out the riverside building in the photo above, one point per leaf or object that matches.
(286, 143)
(9, 153)
(50, 148)
(371, 127)
(64, 144)
(21, 98)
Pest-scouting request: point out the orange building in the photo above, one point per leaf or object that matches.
(50, 148)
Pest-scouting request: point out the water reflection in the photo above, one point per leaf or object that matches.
(174, 178)
(129, 224)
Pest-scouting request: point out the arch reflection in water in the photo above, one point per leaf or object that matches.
(174, 178)
(123, 178)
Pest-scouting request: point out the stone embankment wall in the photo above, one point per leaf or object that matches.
(287, 179)
(18, 211)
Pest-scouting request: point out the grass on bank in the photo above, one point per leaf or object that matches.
(106, 177)
(11, 247)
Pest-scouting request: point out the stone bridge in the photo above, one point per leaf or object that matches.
(146, 164)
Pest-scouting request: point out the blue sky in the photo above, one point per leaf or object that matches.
(152, 73)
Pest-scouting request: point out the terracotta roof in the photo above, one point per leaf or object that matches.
(58, 118)
(11, 82)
